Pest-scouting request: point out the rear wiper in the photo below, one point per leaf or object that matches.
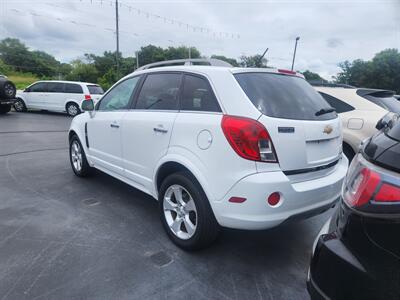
(323, 111)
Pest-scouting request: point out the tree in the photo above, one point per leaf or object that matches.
(382, 72)
(253, 61)
(231, 61)
(82, 71)
(311, 76)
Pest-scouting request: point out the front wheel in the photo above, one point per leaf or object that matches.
(77, 158)
(185, 212)
(19, 105)
(73, 109)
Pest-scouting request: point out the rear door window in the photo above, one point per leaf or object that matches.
(95, 90)
(197, 95)
(55, 87)
(160, 92)
(339, 105)
(73, 88)
(282, 96)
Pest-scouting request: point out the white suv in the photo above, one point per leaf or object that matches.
(59, 96)
(217, 146)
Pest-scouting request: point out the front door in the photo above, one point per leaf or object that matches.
(104, 128)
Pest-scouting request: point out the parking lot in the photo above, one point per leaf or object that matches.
(66, 237)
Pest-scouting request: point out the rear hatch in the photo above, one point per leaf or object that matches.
(95, 91)
(383, 98)
(305, 132)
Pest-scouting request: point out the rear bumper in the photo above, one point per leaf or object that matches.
(298, 200)
(7, 101)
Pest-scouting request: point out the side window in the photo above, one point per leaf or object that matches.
(119, 96)
(38, 88)
(339, 105)
(198, 96)
(160, 91)
(55, 87)
(73, 88)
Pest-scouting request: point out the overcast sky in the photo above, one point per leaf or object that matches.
(330, 31)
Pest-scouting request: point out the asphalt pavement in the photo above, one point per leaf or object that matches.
(63, 237)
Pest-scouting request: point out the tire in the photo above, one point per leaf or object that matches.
(77, 158)
(72, 109)
(7, 89)
(5, 109)
(195, 224)
(19, 105)
(349, 152)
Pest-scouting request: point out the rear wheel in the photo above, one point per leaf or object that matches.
(72, 109)
(5, 109)
(77, 158)
(185, 212)
(19, 105)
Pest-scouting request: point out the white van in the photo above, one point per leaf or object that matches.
(59, 96)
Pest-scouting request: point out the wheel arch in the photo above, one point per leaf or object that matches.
(176, 164)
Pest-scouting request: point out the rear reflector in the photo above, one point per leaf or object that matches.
(88, 97)
(274, 199)
(237, 200)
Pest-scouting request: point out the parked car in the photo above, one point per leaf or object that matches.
(58, 96)
(217, 146)
(357, 253)
(7, 94)
(359, 110)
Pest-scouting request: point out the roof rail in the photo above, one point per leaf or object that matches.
(187, 62)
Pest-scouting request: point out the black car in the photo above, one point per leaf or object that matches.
(357, 253)
(7, 94)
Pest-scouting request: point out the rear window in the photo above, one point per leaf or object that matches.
(384, 99)
(95, 90)
(282, 96)
(73, 88)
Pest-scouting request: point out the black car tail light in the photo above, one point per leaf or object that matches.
(366, 184)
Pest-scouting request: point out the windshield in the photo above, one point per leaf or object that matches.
(282, 96)
(95, 90)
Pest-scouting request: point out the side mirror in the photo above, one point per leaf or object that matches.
(88, 105)
(384, 122)
(26, 90)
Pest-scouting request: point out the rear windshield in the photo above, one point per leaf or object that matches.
(95, 90)
(282, 96)
(386, 101)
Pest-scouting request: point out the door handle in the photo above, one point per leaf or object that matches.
(114, 126)
(156, 129)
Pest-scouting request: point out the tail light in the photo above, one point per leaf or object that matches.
(88, 97)
(365, 185)
(249, 138)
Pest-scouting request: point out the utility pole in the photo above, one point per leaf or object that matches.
(137, 59)
(117, 34)
(294, 53)
(190, 54)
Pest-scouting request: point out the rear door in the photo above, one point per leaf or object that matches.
(74, 93)
(304, 134)
(146, 130)
(104, 128)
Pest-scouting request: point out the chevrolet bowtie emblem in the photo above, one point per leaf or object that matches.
(328, 129)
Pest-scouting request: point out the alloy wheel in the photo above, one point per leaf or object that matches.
(180, 212)
(76, 156)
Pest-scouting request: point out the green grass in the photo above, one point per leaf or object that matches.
(22, 80)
